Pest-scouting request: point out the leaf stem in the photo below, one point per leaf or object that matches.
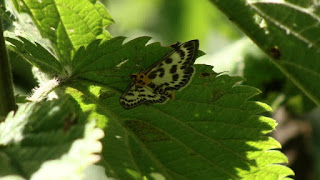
(7, 101)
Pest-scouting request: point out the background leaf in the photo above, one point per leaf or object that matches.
(210, 130)
(44, 131)
(244, 58)
(36, 55)
(291, 42)
(68, 24)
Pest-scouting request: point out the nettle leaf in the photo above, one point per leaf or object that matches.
(291, 42)
(36, 55)
(68, 24)
(48, 136)
(210, 129)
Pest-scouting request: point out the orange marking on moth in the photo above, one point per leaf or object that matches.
(141, 79)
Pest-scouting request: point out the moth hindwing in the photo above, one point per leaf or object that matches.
(157, 83)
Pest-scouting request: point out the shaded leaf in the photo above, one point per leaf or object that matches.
(243, 58)
(210, 130)
(44, 131)
(36, 55)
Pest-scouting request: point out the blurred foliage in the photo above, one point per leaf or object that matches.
(260, 72)
(244, 58)
(19, 24)
(22, 74)
(170, 21)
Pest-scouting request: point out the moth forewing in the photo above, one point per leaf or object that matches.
(175, 69)
(157, 82)
(136, 95)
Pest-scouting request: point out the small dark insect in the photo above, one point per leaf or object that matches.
(275, 53)
(205, 74)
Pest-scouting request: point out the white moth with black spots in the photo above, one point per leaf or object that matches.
(157, 83)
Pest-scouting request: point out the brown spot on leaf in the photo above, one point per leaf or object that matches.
(69, 121)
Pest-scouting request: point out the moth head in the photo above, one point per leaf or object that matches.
(133, 76)
(138, 76)
(140, 79)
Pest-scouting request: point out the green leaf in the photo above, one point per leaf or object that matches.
(5, 13)
(20, 99)
(49, 136)
(243, 58)
(291, 42)
(71, 165)
(68, 24)
(36, 55)
(209, 131)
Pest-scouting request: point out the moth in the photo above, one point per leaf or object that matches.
(157, 83)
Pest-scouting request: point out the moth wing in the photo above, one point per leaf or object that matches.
(175, 69)
(136, 95)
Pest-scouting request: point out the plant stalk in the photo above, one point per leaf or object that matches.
(7, 101)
